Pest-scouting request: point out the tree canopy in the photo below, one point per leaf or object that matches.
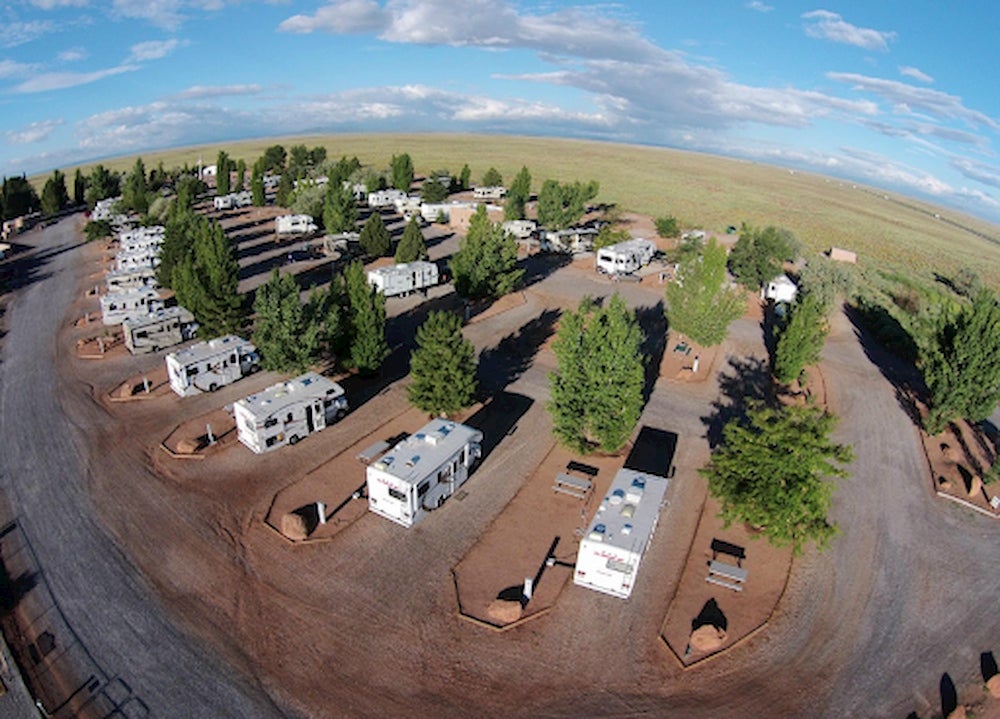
(517, 196)
(757, 256)
(274, 159)
(55, 197)
(486, 262)
(492, 178)
(134, 190)
(667, 226)
(366, 321)
(223, 166)
(561, 206)
(340, 211)
(771, 470)
(433, 190)
(101, 185)
(374, 237)
(801, 339)
(284, 331)
(699, 303)
(401, 168)
(206, 281)
(411, 245)
(442, 367)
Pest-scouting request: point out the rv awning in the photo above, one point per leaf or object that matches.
(366, 455)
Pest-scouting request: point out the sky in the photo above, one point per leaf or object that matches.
(899, 95)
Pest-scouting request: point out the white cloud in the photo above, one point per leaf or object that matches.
(73, 54)
(759, 6)
(342, 17)
(35, 132)
(62, 80)
(154, 49)
(161, 13)
(12, 68)
(199, 92)
(827, 25)
(916, 74)
(914, 130)
(54, 4)
(19, 33)
(978, 171)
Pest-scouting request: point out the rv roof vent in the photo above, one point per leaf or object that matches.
(627, 529)
(600, 528)
(420, 436)
(639, 483)
(628, 510)
(386, 461)
(413, 460)
(633, 494)
(444, 429)
(616, 497)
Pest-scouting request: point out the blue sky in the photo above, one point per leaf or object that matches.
(898, 95)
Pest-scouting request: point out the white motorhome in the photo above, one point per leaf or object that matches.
(626, 257)
(294, 225)
(288, 411)
(124, 280)
(148, 257)
(404, 278)
(385, 198)
(141, 237)
(519, 229)
(421, 472)
(434, 211)
(408, 205)
(612, 548)
(223, 202)
(120, 306)
(206, 366)
(156, 330)
(244, 198)
(104, 209)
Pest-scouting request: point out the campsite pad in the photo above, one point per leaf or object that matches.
(336, 481)
(516, 543)
(113, 345)
(678, 359)
(958, 457)
(190, 439)
(134, 388)
(746, 611)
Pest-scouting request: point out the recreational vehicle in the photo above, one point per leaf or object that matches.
(519, 229)
(206, 366)
(421, 472)
(288, 411)
(294, 225)
(342, 245)
(149, 257)
(118, 307)
(385, 198)
(573, 239)
(124, 280)
(489, 193)
(626, 257)
(404, 278)
(611, 549)
(156, 330)
(223, 202)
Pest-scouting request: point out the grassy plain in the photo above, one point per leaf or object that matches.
(887, 230)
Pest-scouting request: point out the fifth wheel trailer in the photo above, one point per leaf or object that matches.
(403, 278)
(206, 366)
(163, 328)
(614, 544)
(288, 411)
(421, 472)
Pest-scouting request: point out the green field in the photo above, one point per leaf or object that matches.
(885, 229)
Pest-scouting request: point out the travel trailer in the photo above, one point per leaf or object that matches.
(573, 239)
(206, 366)
(294, 225)
(288, 411)
(149, 257)
(404, 278)
(385, 198)
(156, 330)
(613, 545)
(141, 238)
(418, 474)
(124, 280)
(120, 306)
(626, 257)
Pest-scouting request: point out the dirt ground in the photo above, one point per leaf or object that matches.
(959, 458)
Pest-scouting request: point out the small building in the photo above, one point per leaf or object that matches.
(617, 538)
(206, 366)
(294, 225)
(288, 412)
(157, 330)
(120, 306)
(461, 215)
(404, 278)
(780, 289)
(489, 193)
(624, 258)
(421, 472)
(572, 239)
(839, 255)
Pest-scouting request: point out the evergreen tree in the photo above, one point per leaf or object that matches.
(368, 346)
(178, 237)
(464, 177)
(286, 190)
(274, 159)
(961, 365)
(402, 172)
(309, 199)
(19, 197)
(79, 188)
(561, 206)
(770, 472)
(699, 304)
(610, 235)
(241, 171)
(54, 194)
(442, 367)
(257, 184)
(286, 335)
(340, 211)
(493, 178)
(757, 255)
(411, 246)
(801, 340)
(667, 226)
(596, 392)
(375, 240)
(486, 262)
(298, 161)
(134, 191)
(102, 185)
(223, 165)
(518, 196)
(206, 281)
(157, 178)
(433, 190)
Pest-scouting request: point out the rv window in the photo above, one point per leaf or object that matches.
(422, 488)
(270, 422)
(270, 441)
(192, 371)
(141, 334)
(397, 495)
(617, 565)
(288, 418)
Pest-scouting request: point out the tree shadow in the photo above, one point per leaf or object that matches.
(24, 267)
(896, 360)
(653, 452)
(539, 266)
(712, 615)
(744, 380)
(501, 365)
(498, 418)
(949, 695)
(14, 589)
(769, 327)
(653, 322)
(988, 666)
(515, 592)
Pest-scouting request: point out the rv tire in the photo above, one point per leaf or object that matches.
(212, 387)
(294, 439)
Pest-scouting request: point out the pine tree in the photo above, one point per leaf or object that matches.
(433, 190)
(596, 392)
(79, 187)
(286, 190)
(206, 280)
(340, 211)
(374, 237)
(368, 346)
(257, 184)
(442, 367)
(486, 262)
(102, 185)
(285, 335)
(464, 177)
(770, 472)
(241, 171)
(961, 366)
(54, 194)
(411, 246)
(401, 167)
(561, 206)
(134, 191)
(801, 340)
(178, 238)
(518, 196)
(493, 178)
(222, 167)
(699, 304)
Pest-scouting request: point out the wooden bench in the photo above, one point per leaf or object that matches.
(573, 486)
(720, 546)
(723, 583)
(728, 571)
(582, 468)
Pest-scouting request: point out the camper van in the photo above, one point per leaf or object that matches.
(288, 411)
(117, 307)
(206, 366)
(124, 280)
(624, 258)
(294, 225)
(404, 278)
(156, 330)
(611, 549)
(418, 474)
